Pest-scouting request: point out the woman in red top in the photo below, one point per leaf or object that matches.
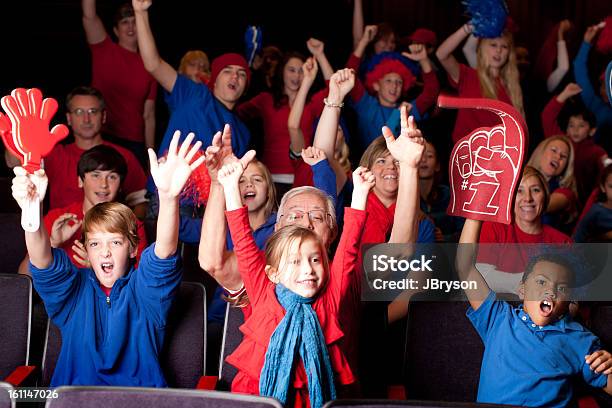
(503, 265)
(273, 109)
(295, 299)
(496, 77)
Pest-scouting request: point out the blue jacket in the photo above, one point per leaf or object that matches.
(114, 340)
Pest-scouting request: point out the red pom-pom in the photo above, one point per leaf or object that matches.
(604, 41)
(197, 187)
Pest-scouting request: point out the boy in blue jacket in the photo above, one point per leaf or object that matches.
(112, 316)
(533, 352)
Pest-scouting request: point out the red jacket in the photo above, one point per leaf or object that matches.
(267, 313)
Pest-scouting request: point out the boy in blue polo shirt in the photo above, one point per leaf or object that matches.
(533, 352)
(112, 316)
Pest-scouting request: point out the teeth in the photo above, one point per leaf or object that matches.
(547, 303)
(389, 177)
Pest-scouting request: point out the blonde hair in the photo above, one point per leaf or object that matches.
(281, 241)
(271, 194)
(192, 56)
(112, 217)
(509, 74)
(376, 149)
(566, 179)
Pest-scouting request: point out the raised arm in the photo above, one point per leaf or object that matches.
(368, 35)
(296, 136)
(94, 28)
(555, 77)
(444, 53)
(26, 187)
(149, 123)
(431, 86)
(317, 49)
(470, 50)
(553, 108)
(466, 263)
(212, 254)
(170, 177)
(357, 21)
(160, 69)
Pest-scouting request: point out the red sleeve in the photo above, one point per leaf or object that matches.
(251, 261)
(567, 193)
(142, 239)
(431, 89)
(316, 102)
(152, 95)
(50, 218)
(358, 90)
(549, 118)
(251, 108)
(488, 235)
(344, 270)
(547, 56)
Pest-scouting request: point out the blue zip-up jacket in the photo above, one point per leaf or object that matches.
(115, 339)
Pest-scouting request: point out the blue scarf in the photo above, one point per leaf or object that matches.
(299, 330)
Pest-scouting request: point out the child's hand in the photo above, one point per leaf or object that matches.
(408, 106)
(564, 26)
(80, 254)
(592, 31)
(27, 186)
(63, 228)
(170, 176)
(570, 90)
(219, 152)
(600, 362)
(363, 181)
(340, 84)
(141, 5)
(312, 155)
(315, 46)
(369, 32)
(229, 175)
(418, 52)
(409, 146)
(310, 68)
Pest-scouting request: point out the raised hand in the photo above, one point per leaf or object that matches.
(312, 155)
(316, 47)
(219, 152)
(29, 191)
(363, 181)
(141, 5)
(340, 84)
(30, 117)
(369, 32)
(63, 228)
(230, 173)
(570, 90)
(409, 146)
(310, 68)
(592, 31)
(564, 26)
(171, 175)
(417, 52)
(80, 254)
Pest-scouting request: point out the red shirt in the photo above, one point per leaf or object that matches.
(513, 258)
(267, 313)
(125, 83)
(61, 169)
(76, 208)
(588, 162)
(471, 119)
(276, 132)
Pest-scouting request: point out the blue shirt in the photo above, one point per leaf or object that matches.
(114, 340)
(595, 223)
(525, 364)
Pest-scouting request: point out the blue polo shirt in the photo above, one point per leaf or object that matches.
(529, 365)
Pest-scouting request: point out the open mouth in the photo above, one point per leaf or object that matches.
(311, 283)
(390, 177)
(250, 195)
(232, 86)
(103, 196)
(546, 307)
(107, 267)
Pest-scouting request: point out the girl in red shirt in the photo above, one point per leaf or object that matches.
(295, 299)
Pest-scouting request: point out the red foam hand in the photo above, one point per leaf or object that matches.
(485, 165)
(7, 135)
(30, 117)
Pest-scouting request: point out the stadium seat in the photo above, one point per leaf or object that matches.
(12, 243)
(232, 336)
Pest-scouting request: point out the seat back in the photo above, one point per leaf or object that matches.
(443, 352)
(131, 397)
(183, 358)
(15, 315)
(5, 398)
(232, 337)
(12, 245)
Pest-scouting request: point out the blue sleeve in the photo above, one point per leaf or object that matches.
(156, 282)
(190, 229)
(393, 122)
(324, 179)
(592, 101)
(582, 233)
(591, 377)
(57, 285)
(184, 90)
(427, 233)
(415, 112)
(484, 318)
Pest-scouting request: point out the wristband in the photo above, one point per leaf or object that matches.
(333, 105)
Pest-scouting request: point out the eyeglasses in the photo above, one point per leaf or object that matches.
(315, 216)
(90, 111)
